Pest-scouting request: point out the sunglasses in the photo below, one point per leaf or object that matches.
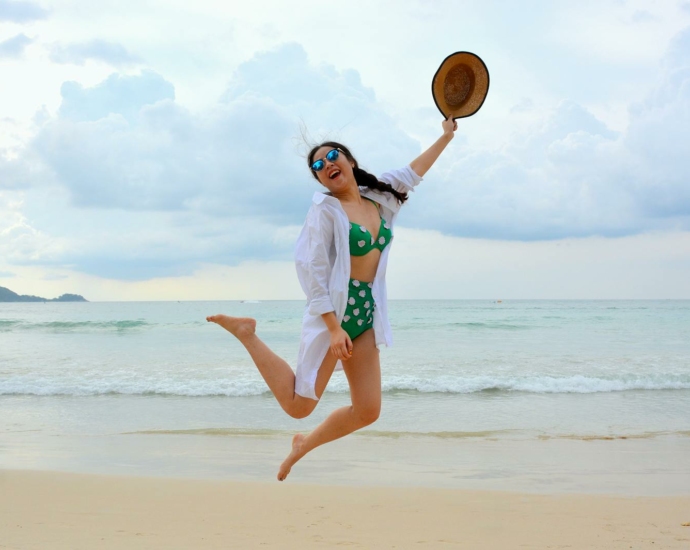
(331, 156)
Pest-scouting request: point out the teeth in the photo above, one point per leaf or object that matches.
(334, 174)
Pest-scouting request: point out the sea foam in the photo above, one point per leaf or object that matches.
(161, 384)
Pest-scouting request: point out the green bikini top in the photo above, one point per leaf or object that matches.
(362, 242)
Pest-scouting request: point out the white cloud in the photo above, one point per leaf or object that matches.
(14, 47)
(21, 12)
(99, 50)
(161, 188)
(118, 94)
(572, 176)
(20, 241)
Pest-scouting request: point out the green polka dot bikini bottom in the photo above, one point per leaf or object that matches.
(359, 313)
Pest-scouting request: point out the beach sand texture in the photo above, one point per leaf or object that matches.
(50, 510)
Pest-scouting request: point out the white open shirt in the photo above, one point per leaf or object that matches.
(322, 258)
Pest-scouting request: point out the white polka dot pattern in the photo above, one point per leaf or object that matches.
(359, 313)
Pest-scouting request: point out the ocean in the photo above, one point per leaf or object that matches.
(476, 393)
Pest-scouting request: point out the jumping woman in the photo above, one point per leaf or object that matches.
(341, 256)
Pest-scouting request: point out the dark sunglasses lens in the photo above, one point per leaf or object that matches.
(318, 166)
(332, 155)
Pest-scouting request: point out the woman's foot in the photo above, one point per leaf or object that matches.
(293, 457)
(237, 326)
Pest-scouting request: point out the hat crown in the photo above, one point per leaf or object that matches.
(458, 85)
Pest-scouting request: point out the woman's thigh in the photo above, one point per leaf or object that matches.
(363, 371)
(325, 372)
(303, 406)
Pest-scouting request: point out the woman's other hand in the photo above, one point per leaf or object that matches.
(341, 344)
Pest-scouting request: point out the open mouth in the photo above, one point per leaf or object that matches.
(334, 174)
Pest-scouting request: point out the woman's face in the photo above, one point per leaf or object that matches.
(337, 175)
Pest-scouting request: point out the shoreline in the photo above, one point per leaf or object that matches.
(70, 510)
(656, 467)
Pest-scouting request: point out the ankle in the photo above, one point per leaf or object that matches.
(247, 337)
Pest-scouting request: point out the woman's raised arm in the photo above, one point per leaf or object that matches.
(423, 162)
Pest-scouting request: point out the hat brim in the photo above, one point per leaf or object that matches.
(480, 85)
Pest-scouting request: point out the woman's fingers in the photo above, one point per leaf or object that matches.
(450, 125)
(342, 350)
(340, 353)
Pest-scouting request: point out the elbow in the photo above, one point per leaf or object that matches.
(418, 170)
(320, 305)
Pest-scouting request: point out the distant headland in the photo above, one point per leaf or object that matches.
(6, 295)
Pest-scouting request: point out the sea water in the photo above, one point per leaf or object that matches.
(136, 378)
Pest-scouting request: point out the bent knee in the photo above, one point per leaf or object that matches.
(368, 415)
(301, 410)
(299, 414)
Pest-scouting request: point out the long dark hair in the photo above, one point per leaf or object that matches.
(363, 178)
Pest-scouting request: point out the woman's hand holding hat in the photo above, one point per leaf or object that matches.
(449, 126)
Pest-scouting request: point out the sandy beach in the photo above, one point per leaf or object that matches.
(65, 510)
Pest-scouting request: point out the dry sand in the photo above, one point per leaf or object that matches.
(49, 510)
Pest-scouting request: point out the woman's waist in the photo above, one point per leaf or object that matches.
(364, 268)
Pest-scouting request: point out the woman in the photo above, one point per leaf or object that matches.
(341, 258)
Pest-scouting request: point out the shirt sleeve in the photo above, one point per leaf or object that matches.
(318, 265)
(403, 179)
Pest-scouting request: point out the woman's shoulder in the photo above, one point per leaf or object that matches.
(325, 202)
(323, 209)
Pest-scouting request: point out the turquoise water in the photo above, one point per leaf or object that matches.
(463, 371)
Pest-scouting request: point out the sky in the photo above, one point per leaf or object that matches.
(155, 150)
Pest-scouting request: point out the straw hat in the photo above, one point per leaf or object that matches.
(460, 85)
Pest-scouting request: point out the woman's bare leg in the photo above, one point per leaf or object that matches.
(275, 371)
(363, 372)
